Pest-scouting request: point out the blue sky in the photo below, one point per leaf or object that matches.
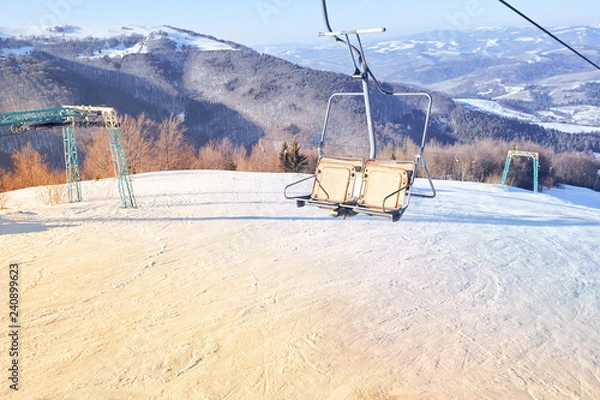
(254, 22)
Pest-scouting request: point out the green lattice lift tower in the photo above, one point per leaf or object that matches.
(536, 165)
(69, 118)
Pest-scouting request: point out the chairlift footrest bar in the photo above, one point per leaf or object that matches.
(349, 210)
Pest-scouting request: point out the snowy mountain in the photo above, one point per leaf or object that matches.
(222, 89)
(218, 287)
(180, 37)
(520, 68)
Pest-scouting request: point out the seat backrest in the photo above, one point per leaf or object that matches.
(336, 179)
(386, 182)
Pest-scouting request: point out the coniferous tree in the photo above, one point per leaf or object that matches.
(283, 155)
(290, 158)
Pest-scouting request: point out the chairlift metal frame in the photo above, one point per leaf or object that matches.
(68, 118)
(401, 183)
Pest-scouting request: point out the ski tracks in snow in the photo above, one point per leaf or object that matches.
(216, 287)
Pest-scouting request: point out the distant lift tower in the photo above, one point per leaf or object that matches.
(536, 165)
(68, 118)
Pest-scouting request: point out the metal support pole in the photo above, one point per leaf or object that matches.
(120, 165)
(72, 164)
(372, 139)
(361, 70)
(536, 165)
(66, 117)
(536, 169)
(367, 95)
(506, 167)
(597, 183)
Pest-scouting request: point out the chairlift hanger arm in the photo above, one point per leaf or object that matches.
(328, 25)
(335, 35)
(353, 32)
(362, 69)
(553, 36)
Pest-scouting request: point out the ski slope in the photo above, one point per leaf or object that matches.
(216, 287)
(583, 119)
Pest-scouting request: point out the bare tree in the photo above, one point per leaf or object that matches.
(30, 169)
(220, 155)
(137, 139)
(262, 158)
(171, 149)
(97, 163)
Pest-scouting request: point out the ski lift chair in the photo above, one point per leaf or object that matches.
(335, 180)
(385, 190)
(337, 183)
(348, 186)
(351, 186)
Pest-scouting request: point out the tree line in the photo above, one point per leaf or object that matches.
(152, 146)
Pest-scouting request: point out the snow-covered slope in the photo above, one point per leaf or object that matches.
(514, 65)
(181, 38)
(588, 116)
(505, 46)
(217, 287)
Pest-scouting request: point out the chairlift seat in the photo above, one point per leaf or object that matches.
(385, 185)
(335, 180)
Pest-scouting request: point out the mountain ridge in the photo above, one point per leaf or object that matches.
(480, 64)
(221, 89)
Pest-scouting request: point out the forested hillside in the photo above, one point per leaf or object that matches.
(517, 70)
(220, 90)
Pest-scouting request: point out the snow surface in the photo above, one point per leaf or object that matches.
(581, 114)
(180, 37)
(119, 51)
(21, 51)
(218, 287)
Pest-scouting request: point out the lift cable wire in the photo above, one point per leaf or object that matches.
(553, 36)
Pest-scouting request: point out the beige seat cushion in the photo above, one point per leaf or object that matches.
(335, 179)
(382, 178)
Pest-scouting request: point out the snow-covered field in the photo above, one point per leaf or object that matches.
(583, 119)
(216, 287)
(180, 37)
